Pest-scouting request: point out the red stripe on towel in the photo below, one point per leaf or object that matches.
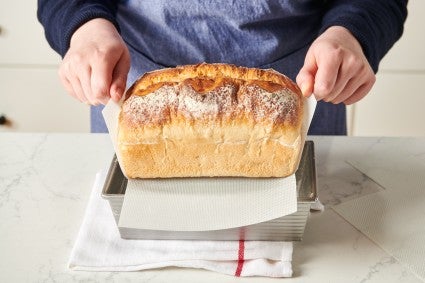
(241, 259)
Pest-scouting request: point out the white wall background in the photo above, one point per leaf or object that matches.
(396, 104)
(31, 95)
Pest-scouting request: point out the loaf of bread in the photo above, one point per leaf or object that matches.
(211, 120)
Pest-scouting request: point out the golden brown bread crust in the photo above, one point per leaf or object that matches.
(211, 120)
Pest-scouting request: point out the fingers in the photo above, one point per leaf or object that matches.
(350, 76)
(355, 86)
(337, 68)
(345, 93)
(361, 92)
(76, 85)
(305, 78)
(101, 78)
(91, 80)
(351, 79)
(71, 83)
(327, 74)
(96, 63)
(68, 86)
(119, 77)
(83, 83)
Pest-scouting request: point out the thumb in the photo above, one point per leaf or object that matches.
(119, 77)
(305, 78)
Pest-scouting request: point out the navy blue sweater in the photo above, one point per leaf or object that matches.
(377, 24)
(263, 33)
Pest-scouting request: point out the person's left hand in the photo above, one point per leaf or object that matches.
(336, 69)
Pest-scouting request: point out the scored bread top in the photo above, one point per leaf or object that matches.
(212, 93)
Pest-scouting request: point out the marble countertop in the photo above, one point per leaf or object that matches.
(45, 183)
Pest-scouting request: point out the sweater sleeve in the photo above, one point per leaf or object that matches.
(61, 18)
(377, 24)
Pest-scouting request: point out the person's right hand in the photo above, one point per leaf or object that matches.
(96, 65)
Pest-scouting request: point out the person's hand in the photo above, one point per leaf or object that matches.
(96, 65)
(336, 69)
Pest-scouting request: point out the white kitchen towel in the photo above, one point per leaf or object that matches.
(99, 247)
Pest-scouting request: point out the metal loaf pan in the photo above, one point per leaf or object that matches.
(287, 228)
